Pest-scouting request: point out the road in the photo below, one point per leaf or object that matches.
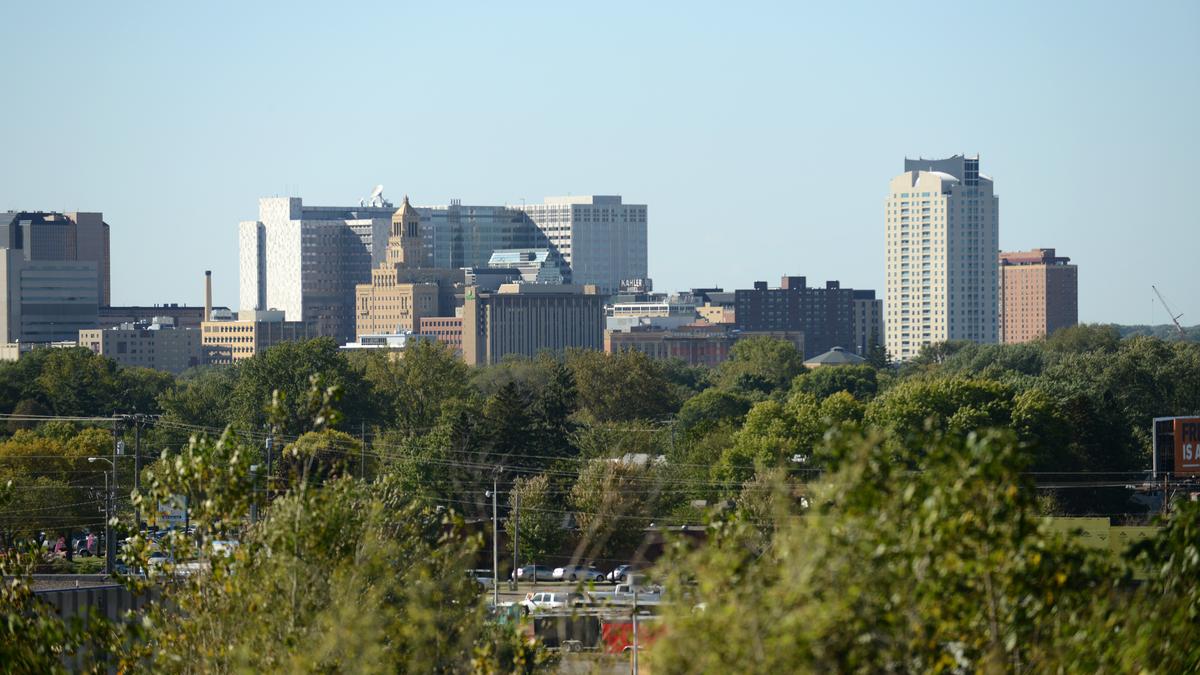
(518, 595)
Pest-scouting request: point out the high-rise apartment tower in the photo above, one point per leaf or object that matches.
(942, 227)
(1039, 293)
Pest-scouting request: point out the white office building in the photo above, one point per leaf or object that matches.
(942, 225)
(306, 260)
(602, 239)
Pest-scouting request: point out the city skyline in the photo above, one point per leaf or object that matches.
(177, 149)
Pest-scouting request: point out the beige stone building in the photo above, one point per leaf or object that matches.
(1039, 293)
(229, 341)
(716, 314)
(387, 304)
(158, 345)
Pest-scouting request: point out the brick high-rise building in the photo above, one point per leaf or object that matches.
(868, 322)
(824, 315)
(1039, 293)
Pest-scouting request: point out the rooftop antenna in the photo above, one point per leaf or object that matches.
(1173, 315)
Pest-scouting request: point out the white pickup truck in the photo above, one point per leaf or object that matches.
(623, 595)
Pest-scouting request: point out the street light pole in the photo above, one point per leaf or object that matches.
(109, 549)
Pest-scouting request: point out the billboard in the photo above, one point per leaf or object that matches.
(171, 513)
(1187, 445)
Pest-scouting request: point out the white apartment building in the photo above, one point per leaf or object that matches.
(943, 235)
(602, 239)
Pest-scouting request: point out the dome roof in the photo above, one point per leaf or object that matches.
(835, 357)
(943, 175)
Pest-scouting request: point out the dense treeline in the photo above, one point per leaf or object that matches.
(1079, 403)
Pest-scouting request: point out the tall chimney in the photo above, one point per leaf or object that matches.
(208, 295)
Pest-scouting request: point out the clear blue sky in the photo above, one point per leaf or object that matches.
(762, 136)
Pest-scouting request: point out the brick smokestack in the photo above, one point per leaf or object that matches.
(208, 295)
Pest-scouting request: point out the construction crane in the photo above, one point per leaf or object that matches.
(1173, 315)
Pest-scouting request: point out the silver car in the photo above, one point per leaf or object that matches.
(577, 573)
(534, 573)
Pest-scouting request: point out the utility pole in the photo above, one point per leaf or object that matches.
(110, 549)
(516, 539)
(269, 442)
(118, 449)
(117, 429)
(254, 494)
(362, 444)
(495, 542)
(137, 466)
(635, 632)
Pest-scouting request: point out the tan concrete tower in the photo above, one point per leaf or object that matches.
(387, 305)
(405, 247)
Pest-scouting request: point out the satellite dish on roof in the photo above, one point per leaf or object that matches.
(376, 199)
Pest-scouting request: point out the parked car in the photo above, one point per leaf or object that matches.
(534, 573)
(620, 574)
(481, 577)
(577, 572)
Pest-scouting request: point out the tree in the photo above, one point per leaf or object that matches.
(78, 382)
(710, 408)
(947, 569)
(955, 404)
(761, 365)
(552, 412)
(349, 577)
(199, 401)
(319, 456)
(537, 515)
(1084, 338)
(137, 389)
(614, 502)
(411, 391)
(448, 465)
(859, 381)
(285, 370)
(770, 437)
(621, 387)
(52, 488)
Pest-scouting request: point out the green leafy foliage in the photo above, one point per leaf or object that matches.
(621, 387)
(944, 569)
(283, 372)
(536, 511)
(760, 366)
